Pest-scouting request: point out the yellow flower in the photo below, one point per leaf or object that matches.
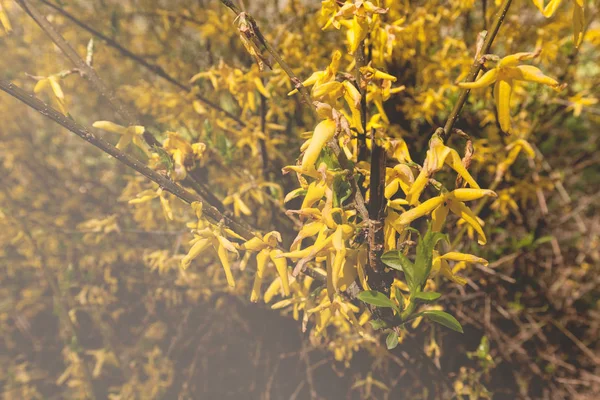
(438, 155)
(183, 153)
(148, 195)
(52, 82)
(4, 20)
(212, 236)
(577, 102)
(440, 264)
(322, 134)
(327, 90)
(514, 149)
(442, 204)
(503, 76)
(266, 248)
(130, 134)
(578, 16)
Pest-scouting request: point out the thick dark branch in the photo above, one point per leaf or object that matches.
(361, 137)
(378, 278)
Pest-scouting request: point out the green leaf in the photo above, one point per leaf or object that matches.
(376, 298)
(378, 324)
(424, 258)
(164, 157)
(399, 297)
(341, 190)
(443, 318)
(392, 340)
(392, 260)
(326, 156)
(427, 297)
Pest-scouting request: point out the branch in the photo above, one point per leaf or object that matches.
(273, 52)
(163, 181)
(158, 70)
(90, 74)
(475, 68)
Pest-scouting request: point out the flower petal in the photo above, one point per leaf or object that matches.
(421, 210)
(465, 213)
(485, 80)
(533, 74)
(502, 92)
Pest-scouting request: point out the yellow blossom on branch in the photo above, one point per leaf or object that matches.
(440, 265)
(453, 201)
(52, 83)
(437, 155)
(130, 134)
(503, 76)
(267, 248)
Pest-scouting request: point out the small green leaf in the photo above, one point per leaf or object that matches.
(378, 324)
(399, 297)
(443, 318)
(392, 260)
(427, 297)
(392, 340)
(376, 298)
(424, 258)
(164, 157)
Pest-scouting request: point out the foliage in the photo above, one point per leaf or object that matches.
(326, 159)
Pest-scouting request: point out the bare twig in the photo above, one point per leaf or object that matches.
(158, 70)
(475, 68)
(164, 182)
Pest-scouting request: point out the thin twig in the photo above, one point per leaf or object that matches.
(163, 181)
(158, 70)
(475, 68)
(87, 71)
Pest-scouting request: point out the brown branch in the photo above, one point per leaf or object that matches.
(87, 71)
(361, 137)
(475, 68)
(273, 52)
(163, 181)
(158, 70)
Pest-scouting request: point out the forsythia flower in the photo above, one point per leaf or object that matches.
(437, 155)
(514, 149)
(130, 134)
(577, 102)
(326, 89)
(578, 16)
(149, 194)
(358, 27)
(183, 153)
(503, 76)
(52, 82)
(215, 237)
(4, 20)
(267, 248)
(452, 201)
(440, 264)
